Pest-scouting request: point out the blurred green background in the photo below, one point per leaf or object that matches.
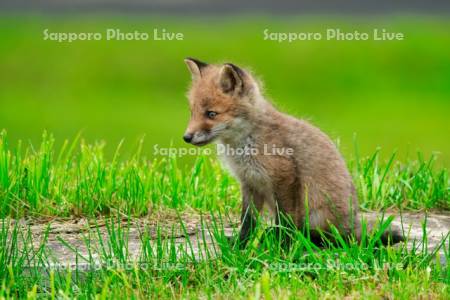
(391, 94)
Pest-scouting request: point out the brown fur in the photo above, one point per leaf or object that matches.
(315, 172)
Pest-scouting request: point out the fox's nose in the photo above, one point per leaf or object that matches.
(188, 137)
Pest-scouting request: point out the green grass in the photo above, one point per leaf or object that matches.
(264, 269)
(46, 181)
(78, 180)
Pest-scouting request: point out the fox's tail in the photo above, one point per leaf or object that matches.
(392, 236)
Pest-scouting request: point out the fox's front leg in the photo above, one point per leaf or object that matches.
(252, 203)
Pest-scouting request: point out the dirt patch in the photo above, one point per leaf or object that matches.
(79, 242)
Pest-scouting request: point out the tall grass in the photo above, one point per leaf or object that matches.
(414, 184)
(78, 180)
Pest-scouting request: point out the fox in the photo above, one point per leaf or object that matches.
(310, 183)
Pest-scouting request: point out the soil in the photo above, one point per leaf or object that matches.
(70, 241)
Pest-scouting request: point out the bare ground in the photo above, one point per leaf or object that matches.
(67, 239)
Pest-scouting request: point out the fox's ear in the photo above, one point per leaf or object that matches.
(231, 78)
(195, 67)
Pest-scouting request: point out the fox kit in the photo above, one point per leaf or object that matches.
(282, 162)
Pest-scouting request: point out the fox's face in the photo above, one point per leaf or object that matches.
(217, 100)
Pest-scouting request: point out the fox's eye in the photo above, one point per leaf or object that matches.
(211, 114)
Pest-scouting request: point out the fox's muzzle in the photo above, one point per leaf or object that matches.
(198, 138)
(202, 137)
